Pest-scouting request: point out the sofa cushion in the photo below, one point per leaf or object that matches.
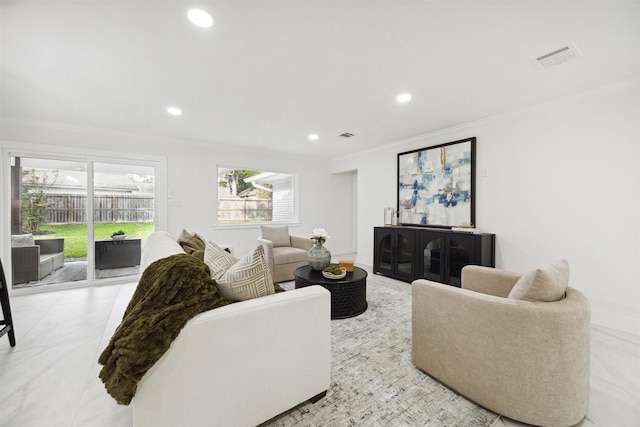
(278, 234)
(218, 260)
(248, 278)
(543, 284)
(22, 240)
(289, 255)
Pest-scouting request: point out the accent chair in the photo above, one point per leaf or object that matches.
(284, 252)
(518, 345)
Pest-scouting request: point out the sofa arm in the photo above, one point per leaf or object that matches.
(241, 364)
(301, 242)
(25, 264)
(488, 280)
(525, 360)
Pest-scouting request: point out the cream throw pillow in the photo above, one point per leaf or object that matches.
(543, 284)
(185, 236)
(278, 234)
(248, 278)
(218, 260)
(22, 240)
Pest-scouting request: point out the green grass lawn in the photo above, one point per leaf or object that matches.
(75, 235)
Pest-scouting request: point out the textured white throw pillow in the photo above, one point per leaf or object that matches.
(218, 260)
(248, 278)
(543, 284)
(21, 240)
(278, 234)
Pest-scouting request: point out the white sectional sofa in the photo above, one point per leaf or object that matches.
(241, 364)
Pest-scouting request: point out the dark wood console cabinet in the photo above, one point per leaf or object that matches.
(409, 253)
(394, 252)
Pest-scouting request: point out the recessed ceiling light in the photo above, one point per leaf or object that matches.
(313, 136)
(200, 18)
(403, 97)
(174, 111)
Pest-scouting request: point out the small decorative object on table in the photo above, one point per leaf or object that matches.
(389, 215)
(318, 256)
(118, 235)
(347, 264)
(334, 272)
(465, 227)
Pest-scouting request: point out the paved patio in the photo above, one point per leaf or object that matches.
(73, 271)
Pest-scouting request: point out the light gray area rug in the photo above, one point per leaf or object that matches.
(374, 383)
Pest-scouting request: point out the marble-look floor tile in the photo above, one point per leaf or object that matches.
(44, 378)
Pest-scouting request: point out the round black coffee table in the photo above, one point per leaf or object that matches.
(348, 295)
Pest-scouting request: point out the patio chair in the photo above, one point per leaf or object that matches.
(32, 260)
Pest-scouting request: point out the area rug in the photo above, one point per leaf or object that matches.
(374, 383)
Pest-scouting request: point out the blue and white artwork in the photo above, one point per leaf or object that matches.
(435, 185)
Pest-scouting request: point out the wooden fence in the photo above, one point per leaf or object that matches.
(243, 210)
(72, 208)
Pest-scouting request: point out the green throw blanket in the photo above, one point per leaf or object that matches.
(171, 291)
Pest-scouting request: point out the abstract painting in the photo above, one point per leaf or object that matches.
(436, 185)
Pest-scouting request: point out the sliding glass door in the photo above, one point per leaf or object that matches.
(123, 215)
(48, 221)
(75, 220)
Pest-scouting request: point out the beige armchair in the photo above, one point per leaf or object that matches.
(284, 252)
(527, 360)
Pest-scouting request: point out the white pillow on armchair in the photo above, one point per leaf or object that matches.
(278, 234)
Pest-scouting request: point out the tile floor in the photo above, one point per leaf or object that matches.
(51, 377)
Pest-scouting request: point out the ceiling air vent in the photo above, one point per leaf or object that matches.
(346, 135)
(559, 56)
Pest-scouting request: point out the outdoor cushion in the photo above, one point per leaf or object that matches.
(22, 240)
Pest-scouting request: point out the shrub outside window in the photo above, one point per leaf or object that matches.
(252, 196)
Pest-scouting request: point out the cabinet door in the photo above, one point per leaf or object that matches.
(383, 250)
(460, 252)
(431, 256)
(405, 253)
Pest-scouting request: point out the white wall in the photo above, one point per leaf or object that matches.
(563, 182)
(192, 180)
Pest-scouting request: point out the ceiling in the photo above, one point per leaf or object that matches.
(268, 73)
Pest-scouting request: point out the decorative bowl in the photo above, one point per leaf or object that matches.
(328, 275)
(119, 237)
